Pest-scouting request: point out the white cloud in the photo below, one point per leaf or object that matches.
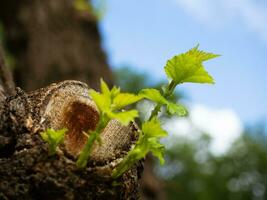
(253, 14)
(223, 125)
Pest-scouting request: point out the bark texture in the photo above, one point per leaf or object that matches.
(52, 41)
(26, 170)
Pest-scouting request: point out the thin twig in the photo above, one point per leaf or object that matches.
(6, 76)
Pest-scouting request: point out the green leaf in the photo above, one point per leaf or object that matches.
(104, 88)
(102, 101)
(83, 157)
(153, 128)
(124, 99)
(128, 161)
(114, 92)
(157, 149)
(200, 76)
(173, 108)
(178, 109)
(123, 117)
(202, 55)
(53, 138)
(153, 95)
(148, 141)
(110, 100)
(152, 132)
(187, 67)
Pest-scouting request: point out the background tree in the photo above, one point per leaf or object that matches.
(53, 41)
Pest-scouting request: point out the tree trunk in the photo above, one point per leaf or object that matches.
(26, 169)
(52, 41)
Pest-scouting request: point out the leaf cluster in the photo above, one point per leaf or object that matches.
(112, 104)
(148, 141)
(186, 67)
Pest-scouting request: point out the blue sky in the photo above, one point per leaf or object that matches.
(144, 34)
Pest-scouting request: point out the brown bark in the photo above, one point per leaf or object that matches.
(52, 41)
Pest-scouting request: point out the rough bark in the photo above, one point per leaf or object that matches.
(52, 41)
(26, 170)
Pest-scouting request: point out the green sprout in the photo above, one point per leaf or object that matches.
(53, 138)
(111, 104)
(186, 67)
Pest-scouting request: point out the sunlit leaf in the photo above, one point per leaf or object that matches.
(178, 109)
(124, 117)
(188, 67)
(153, 95)
(125, 99)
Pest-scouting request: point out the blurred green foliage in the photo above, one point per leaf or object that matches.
(130, 80)
(192, 172)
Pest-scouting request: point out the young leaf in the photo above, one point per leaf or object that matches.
(148, 142)
(200, 76)
(132, 156)
(178, 109)
(53, 138)
(124, 99)
(157, 150)
(83, 157)
(153, 95)
(187, 67)
(202, 55)
(102, 101)
(123, 117)
(152, 132)
(114, 92)
(104, 88)
(152, 128)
